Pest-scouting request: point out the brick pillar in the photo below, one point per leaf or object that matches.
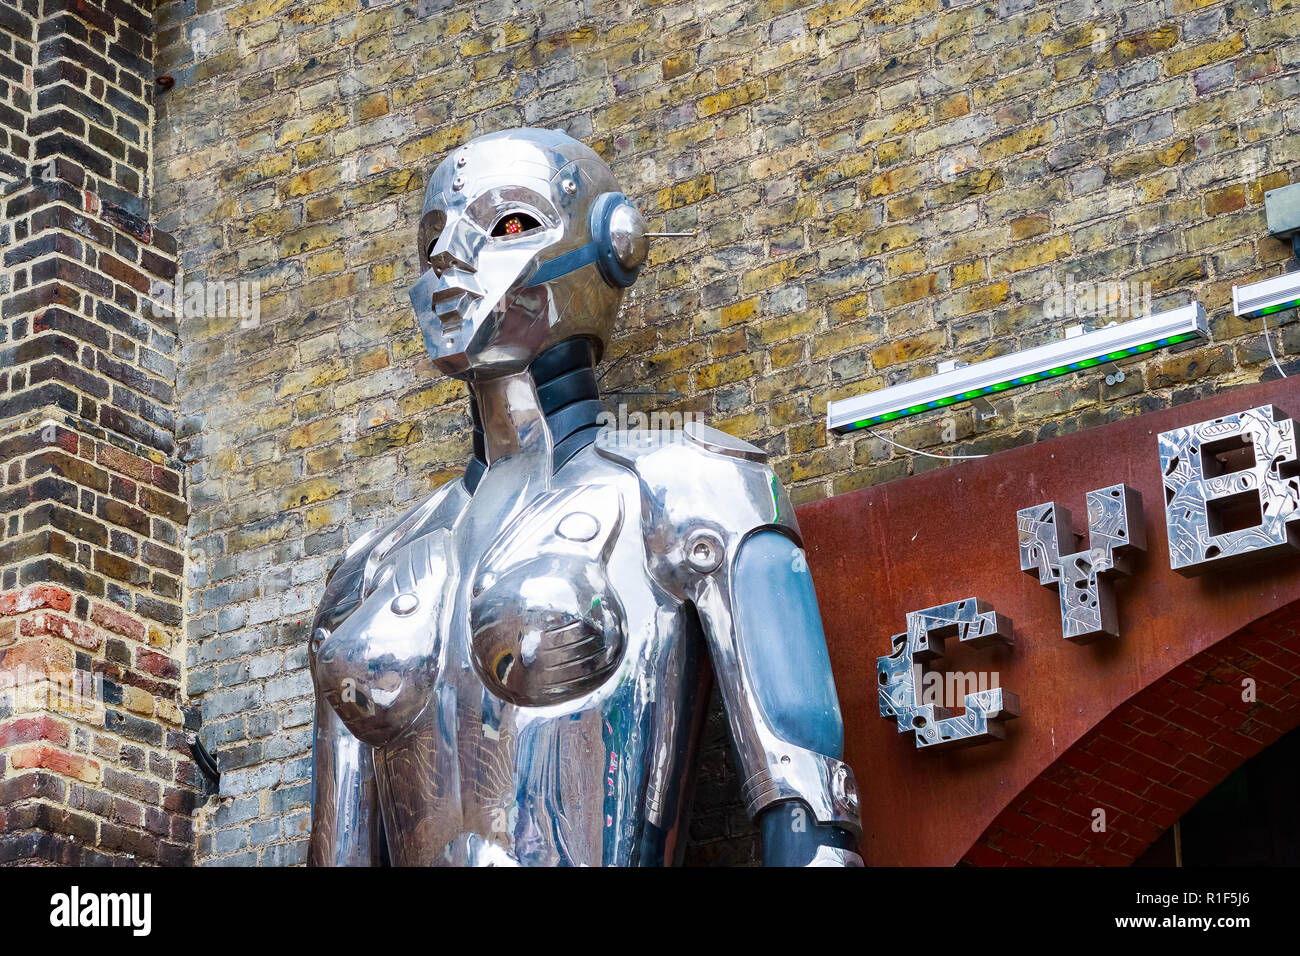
(17, 54)
(94, 765)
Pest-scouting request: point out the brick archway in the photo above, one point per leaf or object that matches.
(1153, 757)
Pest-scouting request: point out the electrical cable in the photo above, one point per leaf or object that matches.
(1268, 340)
(917, 451)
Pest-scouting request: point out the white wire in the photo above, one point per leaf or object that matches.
(1268, 340)
(917, 451)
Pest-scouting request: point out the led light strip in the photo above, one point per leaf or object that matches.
(1006, 372)
(1264, 298)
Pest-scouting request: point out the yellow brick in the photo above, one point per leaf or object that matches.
(137, 701)
(967, 272)
(1204, 54)
(906, 350)
(729, 370)
(309, 492)
(1027, 255)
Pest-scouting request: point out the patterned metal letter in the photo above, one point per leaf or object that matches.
(972, 622)
(1231, 491)
(1084, 579)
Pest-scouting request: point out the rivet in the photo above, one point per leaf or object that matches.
(461, 161)
(704, 551)
(458, 184)
(569, 186)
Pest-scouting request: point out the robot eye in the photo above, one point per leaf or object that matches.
(515, 224)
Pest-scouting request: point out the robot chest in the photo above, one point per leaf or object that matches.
(545, 622)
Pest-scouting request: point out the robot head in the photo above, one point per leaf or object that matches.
(527, 242)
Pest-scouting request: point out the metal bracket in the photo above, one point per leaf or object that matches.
(984, 409)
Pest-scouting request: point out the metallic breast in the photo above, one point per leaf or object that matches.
(546, 624)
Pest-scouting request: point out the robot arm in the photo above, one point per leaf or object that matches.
(345, 824)
(720, 534)
(776, 633)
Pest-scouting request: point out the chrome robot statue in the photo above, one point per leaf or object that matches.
(514, 673)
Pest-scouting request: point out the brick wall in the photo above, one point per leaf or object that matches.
(1151, 759)
(17, 30)
(873, 187)
(94, 763)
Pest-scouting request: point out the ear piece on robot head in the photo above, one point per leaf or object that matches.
(618, 231)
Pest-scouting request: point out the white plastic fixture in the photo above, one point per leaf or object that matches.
(1268, 296)
(997, 375)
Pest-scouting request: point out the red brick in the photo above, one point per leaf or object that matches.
(39, 756)
(83, 635)
(34, 598)
(117, 622)
(1068, 843)
(160, 665)
(128, 464)
(28, 729)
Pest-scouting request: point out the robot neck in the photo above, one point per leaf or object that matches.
(567, 396)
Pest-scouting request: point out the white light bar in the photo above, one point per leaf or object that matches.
(997, 375)
(1268, 296)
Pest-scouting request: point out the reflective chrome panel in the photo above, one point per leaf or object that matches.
(1084, 578)
(1231, 489)
(972, 622)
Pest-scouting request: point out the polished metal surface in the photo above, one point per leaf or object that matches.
(628, 235)
(546, 625)
(703, 493)
(901, 699)
(1231, 490)
(490, 299)
(834, 856)
(1084, 579)
(518, 676)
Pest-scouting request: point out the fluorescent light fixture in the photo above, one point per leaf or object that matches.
(1266, 297)
(997, 375)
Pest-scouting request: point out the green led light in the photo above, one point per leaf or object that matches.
(1276, 308)
(1032, 377)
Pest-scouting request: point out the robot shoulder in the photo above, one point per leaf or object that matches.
(702, 492)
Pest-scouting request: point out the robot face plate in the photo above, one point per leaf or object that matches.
(510, 261)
